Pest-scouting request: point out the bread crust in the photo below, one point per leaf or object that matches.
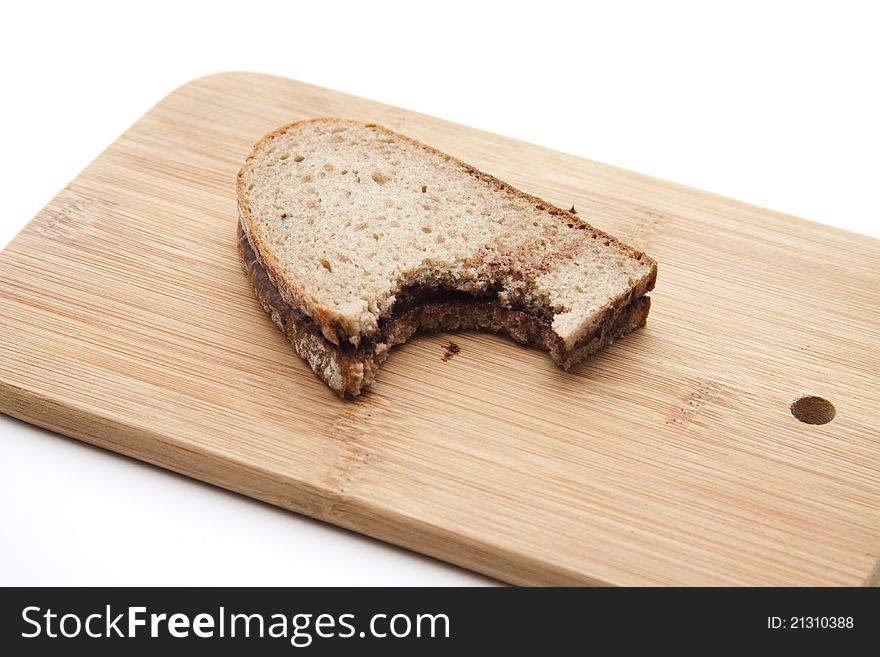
(297, 297)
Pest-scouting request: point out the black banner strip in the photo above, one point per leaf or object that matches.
(420, 621)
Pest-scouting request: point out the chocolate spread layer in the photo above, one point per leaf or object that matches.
(420, 308)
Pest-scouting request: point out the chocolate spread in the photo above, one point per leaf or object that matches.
(421, 308)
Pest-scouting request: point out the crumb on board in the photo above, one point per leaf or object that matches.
(451, 349)
(573, 211)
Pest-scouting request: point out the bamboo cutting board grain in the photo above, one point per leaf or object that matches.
(670, 458)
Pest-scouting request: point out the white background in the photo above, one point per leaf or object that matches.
(774, 103)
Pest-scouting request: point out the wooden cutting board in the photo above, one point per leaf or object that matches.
(670, 458)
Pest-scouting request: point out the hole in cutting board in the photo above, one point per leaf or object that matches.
(813, 410)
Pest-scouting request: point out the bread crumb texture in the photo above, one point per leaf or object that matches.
(346, 215)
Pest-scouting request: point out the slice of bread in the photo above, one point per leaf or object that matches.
(355, 236)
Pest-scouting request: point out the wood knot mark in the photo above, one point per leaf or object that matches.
(68, 214)
(697, 401)
(344, 475)
(350, 434)
(396, 119)
(640, 228)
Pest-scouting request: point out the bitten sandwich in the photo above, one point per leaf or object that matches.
(354, 237)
